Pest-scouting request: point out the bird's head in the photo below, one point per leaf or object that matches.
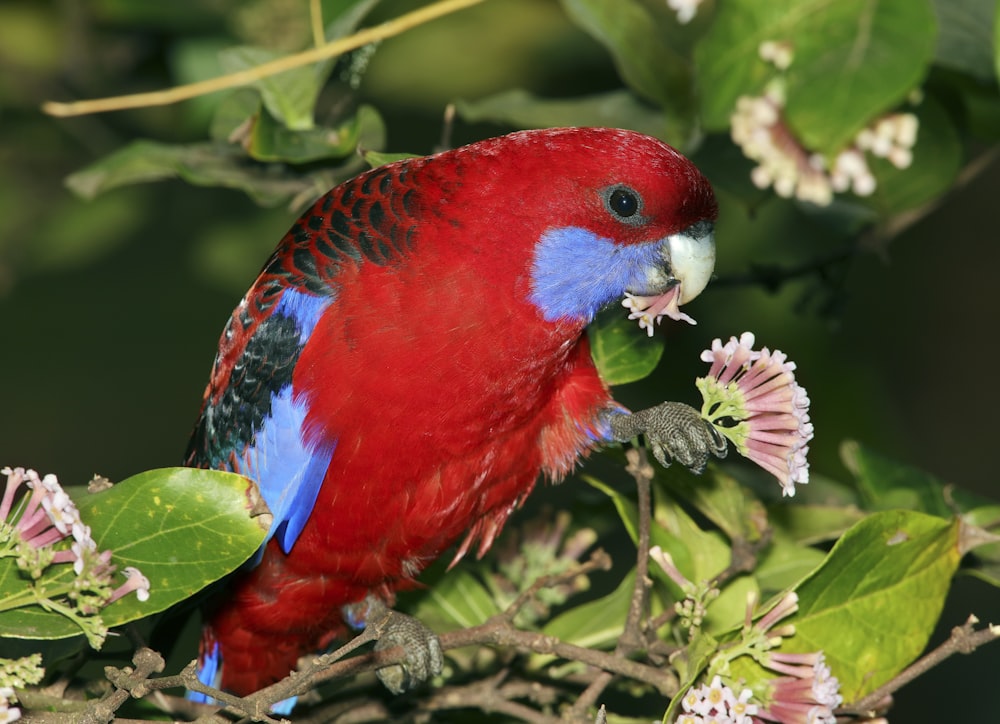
(613, 213)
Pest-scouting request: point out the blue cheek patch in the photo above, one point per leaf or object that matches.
(288, 470)
(575, 272)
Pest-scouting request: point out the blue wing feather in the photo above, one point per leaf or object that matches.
(252, 423)
(288, 470)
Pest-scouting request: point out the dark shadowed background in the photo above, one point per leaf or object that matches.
(110, 309)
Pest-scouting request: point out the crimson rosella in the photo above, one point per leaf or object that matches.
(414, 355)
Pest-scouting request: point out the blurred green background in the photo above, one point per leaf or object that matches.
(110, 309)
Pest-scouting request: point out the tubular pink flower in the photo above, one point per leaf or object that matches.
(807, 695)
(752, 398)
(664, 560)
(135, 581)
(651, 310)
(788, 605)
(15, 476)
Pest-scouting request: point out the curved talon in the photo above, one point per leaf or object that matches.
(423, 653)
(421, 646)
(673, 431)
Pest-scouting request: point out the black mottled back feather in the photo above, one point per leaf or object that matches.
(366, 219)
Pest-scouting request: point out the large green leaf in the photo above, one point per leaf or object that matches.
(271, 141)
(885, 483)
(290, 96)
(208, 164)
(965, 42)
(622, 352)
(457, 600)
(596, 624)
(720, 498)
(202, 164)
(872, 605)
(182, 528)
(643, 39)
(853, 59)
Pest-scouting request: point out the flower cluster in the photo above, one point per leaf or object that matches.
(716, 703)
(752, 398)
(807, 693)
(542, 546)
(37, 521)
(8, 712)
(650, 310)
(685, 9)
(16, 674)
(759, 128)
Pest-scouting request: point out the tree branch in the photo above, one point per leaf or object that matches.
(964, 639)
(325, 51)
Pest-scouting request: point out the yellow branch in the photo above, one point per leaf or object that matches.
(316, 22)
(244, 77)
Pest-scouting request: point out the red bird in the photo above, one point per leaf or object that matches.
(413, 356)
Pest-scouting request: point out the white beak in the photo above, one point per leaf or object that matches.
(692, 258)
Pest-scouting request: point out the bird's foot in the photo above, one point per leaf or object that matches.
(673, 431)
(421, 646)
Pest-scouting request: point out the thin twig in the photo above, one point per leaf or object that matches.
(316, 23)
(964, 639)
(633, 635)
(325, 51)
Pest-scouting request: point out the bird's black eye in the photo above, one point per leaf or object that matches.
(623, 202)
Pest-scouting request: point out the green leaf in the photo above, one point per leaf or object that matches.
(996, 42)
(627, 510)
(642, 39)
(885, 483)
(595, 624)
(622, 352)
(698, 554)
(235, 111)
(521, 109)
(720, 498)
(203, 164)
(853, 60)
(783, 564)
(290, 96)
(808, 524)
(271, 141)
(458, 600)
(872, 606)
(182, 528)
(986, 559)
(965, 41)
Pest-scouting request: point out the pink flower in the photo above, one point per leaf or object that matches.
(650, 310)
(8, 713)
(752, 398)
(135, 581)
(808, 693)
(40, 515)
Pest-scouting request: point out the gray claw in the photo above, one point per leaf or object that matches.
(673, 431)
(421, 647)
